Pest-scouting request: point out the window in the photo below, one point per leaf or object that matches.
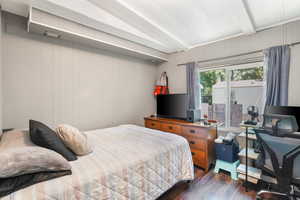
(226, 93)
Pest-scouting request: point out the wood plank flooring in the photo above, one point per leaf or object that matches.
(208, 187)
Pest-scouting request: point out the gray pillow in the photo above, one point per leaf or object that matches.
(27, 160)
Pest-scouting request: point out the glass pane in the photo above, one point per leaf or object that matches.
(213, 102)
(246, 89)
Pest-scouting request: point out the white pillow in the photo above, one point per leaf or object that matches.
(74, 139)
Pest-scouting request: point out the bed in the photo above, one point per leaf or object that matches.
(128, 162)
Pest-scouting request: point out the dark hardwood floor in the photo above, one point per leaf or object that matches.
(209, 187)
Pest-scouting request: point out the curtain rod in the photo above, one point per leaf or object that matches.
(236, 55)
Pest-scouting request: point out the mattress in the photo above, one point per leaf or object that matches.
(128, 162)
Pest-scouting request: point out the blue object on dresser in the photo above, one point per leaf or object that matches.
(227, 152)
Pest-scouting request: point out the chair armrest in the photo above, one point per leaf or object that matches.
(295, 135)
(288, 161)
(292, 154)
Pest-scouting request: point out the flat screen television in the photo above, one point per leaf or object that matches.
(284, 110)
(172, 106)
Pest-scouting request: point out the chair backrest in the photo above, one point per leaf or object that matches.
(278, 150)
(278, 145)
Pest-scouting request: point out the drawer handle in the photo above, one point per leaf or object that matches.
(192, 142)
(152, 124)
(170, 127)
(193, 153)
(192, 131)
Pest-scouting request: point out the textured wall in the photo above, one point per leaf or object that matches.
(61, 82)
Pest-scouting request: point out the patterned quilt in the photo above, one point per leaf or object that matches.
(128, 162)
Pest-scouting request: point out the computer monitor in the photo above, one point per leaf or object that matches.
(285, 110)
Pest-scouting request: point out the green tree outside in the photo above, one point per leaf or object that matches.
(248, 74)
(211, 77)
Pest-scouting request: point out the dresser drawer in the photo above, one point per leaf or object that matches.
(197, 143)
(152, 124)
(188, 131)
(199, 157)
(173, 128)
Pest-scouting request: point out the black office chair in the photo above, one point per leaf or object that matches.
(279, 147)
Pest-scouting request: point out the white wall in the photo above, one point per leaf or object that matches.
(276, 36)
(60, 82)
(0, 71)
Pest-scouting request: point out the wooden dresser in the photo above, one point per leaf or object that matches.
(201, 138)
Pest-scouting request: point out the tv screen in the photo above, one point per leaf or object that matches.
(284, 110)
(172, 106)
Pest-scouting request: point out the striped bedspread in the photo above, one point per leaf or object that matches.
(128, 162)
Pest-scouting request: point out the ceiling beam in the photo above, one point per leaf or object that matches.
(245, 18)
(67, 10)
(132, 17)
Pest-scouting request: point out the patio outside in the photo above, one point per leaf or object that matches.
(246, 88)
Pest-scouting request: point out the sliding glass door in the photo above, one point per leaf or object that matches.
(227, 92)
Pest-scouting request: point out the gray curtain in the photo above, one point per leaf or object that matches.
(277, 61)
(193, 85)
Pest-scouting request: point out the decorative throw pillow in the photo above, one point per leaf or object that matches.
(74, 139)
(27, 160)
(43, 136)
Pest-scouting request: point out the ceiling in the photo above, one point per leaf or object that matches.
(168, 25)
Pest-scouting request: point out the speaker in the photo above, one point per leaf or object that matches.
(193, 115)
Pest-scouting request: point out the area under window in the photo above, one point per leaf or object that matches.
(227, 92)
